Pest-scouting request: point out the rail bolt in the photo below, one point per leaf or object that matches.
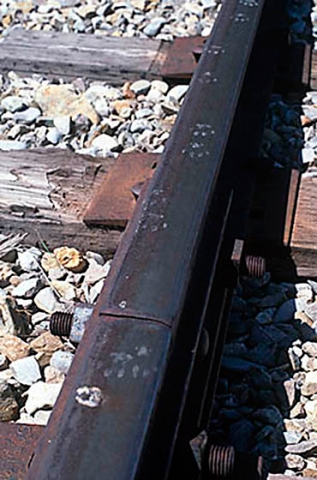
(221, 460)
(71, 324)
(255, 266)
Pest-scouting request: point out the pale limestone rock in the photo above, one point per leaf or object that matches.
(26, 370)
(66, 290)
(41, 395)
(53, 375)
(61, 100)
(47, 343)
(309, 386)
(46, 300)
(13, 347)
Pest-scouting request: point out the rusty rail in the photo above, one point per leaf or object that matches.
(142, 381)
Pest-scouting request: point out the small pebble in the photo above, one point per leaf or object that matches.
(62, 361)
(26, 370)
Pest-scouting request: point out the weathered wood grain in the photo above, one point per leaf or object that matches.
(81, 55)
(305, 223)
(295, 69)
(71, 234)
(45, 192)
(282, 224)
(286, 230)
(304, 236)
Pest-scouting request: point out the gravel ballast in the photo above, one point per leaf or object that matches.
(163, 19)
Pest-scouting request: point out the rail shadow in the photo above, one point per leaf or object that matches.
(266, 404)
(266, 401)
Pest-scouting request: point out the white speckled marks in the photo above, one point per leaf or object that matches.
(90, 397)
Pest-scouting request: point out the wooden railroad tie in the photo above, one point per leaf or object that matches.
(109, 59)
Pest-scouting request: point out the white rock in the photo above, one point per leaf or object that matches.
(102, 107)
(12, 145)
(12, 103)
(14, 131)
(104, 143)
(143, 113)
(62, 361)
(138, 126)
(308, 155)
(28, 115)
(98, 91)
(304, 291)
(6, 375)
(26, 370)
(160, 86)
(53, 135)
(140, 87)
(95, 291)
(41, 417)
(155, 96)
(79, 26)
(65, 289)
(310, 112)
(42, 395)
(29, 260)
(95, 272)
(38, 317)
(56, 273)
(46, 300)
(8, 321)
(295, 462)
(43, 9)
(310, 348)
(171, 106)
(154, 26)
(309, 386)
(158, 110)
(308, 363)
(95, 256)
(52, 375)
(26, 288)
(24, 302)
(62, 124)
(208, 3)
(177, 92)
(26, 419)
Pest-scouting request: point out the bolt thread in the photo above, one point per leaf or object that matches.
(61, 323)
(221, 460)
(256, 266)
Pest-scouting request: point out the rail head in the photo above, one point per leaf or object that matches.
(153, 264)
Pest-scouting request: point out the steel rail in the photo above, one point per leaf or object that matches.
(121, 409)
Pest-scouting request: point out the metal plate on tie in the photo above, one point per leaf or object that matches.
(115, 201)
(17, 445)
(182, 57)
